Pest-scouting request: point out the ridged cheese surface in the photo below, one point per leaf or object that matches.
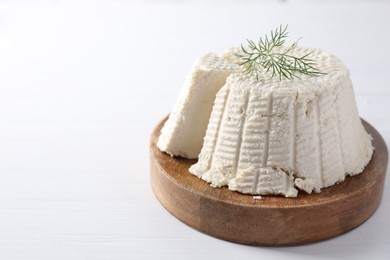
(275, 137)
(183, 132)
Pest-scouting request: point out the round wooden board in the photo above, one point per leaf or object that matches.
(273, 220)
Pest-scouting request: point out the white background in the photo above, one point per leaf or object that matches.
(83, 83)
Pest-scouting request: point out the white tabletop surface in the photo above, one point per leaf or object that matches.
(83, 83)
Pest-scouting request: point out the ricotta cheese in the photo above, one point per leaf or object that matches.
(268, 136)
(183, 132)
(275, 137)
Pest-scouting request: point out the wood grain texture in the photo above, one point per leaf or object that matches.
(273, 220)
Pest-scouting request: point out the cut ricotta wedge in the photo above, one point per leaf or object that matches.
(183, 132)
(275, 137)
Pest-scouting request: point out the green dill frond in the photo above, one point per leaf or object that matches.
(261, 57)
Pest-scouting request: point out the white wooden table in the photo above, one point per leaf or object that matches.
(82, 85)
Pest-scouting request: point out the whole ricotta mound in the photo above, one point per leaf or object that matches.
(271, 136)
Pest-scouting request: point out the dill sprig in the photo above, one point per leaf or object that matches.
(262, 56)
